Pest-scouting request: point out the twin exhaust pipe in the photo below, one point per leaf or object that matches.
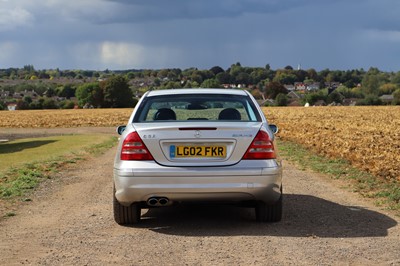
(157, 201)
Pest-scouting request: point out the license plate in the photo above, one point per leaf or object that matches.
(197, 151)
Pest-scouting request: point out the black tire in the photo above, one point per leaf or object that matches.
(126, 215)
(269, 213)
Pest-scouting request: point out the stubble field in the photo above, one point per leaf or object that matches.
(367, 137)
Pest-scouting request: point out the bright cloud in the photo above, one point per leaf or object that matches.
(122, 54)
(10, 19)
(384, 35)
(8, 50)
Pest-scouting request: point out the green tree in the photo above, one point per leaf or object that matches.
(172, 85)
(313, 97)
(396, 96)
(387, 88)
(335, 97)
(210, 83)
(216, 70)
(27, 99)
(281, 99)
(90, 93)
(372, 80)
(196, 77)
(243, 78)
(272, 89)
(67, 91)
(37, 105)
(163, 73)
(50, 92)
(130, 75)
(157, 82)
(224, 78)
(67, 104)
(117, 93)
(312, 74)
(235, 69)
(22, 105)
(258, 75)
(257, 94)
(284, 77)
(396, 78)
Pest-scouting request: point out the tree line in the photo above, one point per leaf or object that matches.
(120, 88)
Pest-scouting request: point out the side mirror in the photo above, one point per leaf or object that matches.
(274, 128)
(120, 129)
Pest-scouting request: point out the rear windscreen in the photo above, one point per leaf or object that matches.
(197, 107)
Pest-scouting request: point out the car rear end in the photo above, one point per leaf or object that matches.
(197, 145)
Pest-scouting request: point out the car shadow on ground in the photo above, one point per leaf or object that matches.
(303, 216)
(20, 146)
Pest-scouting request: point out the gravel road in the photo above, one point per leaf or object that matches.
(69, 222)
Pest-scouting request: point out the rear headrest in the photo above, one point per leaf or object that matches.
(229, 114)
(164, 114)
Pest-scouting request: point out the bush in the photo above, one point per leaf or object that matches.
(67, 105)
(36, 105)
(49, 104)
(370, 100)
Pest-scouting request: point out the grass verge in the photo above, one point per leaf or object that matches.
(386, 194)
(36, 160)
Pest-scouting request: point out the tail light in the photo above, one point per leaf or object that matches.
(261, 148)
(133, 148)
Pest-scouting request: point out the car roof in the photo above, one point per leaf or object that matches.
(196, 91)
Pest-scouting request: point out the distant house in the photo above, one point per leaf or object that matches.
(294, 95)
(300, 86)
(387, 98)
(11, 106)
(31, 94)
(332, 84)
(294, 99)
(17, 95)
(313, 86)
(4, 94)
(289, 87)
(266, 102)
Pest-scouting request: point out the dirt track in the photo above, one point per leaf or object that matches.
(70, 223)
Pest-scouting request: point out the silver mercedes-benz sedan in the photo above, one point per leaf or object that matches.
(197, 145)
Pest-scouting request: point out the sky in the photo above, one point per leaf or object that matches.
(156, 34)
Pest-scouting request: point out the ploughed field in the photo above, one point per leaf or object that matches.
(368, 137)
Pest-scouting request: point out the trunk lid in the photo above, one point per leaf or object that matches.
(197, 144)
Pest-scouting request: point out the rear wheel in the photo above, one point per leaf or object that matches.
(269, 212)
(126, 215)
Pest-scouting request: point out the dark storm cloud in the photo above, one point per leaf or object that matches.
(155, 10)
(118, 34)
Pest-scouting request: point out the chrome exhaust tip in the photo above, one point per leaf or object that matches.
(152, 201)
(158, 201)
(163, 201)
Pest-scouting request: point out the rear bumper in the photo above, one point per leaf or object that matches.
(248, 180)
